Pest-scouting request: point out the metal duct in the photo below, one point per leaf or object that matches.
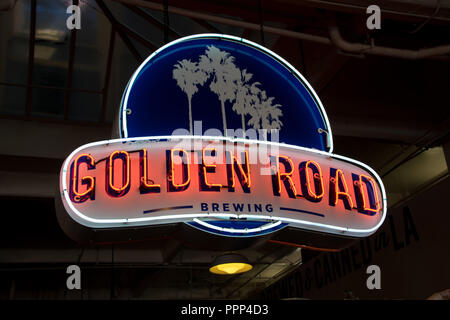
(359, 48)
(334, 33)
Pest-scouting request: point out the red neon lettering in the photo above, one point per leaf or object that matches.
(315, 176)
(125, 172)
(146, 187)
(338, 194)
(90, 179)
(186, 171)
(285, 177)
(242, 175)
(374, 187)
(205, 167)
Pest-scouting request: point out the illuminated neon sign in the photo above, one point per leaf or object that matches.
(163, 182)
(239, 185)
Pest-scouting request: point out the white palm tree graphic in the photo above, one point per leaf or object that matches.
(263, 114)
(243, 99)
(230, 84)
(188, 76)
(220, 65)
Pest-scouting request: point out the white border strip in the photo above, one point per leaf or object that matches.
(124, 102)
(229, 230)
(99, 223)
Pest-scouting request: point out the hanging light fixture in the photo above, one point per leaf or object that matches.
(230, 263)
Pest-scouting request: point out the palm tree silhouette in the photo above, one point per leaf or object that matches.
(225, 74)
(229, 83)
(263, 114)
(188, 76)
(243, 100)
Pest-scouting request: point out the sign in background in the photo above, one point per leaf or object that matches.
(411, 248)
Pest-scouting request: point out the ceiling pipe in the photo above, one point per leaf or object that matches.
(362, 7)
(335, 37)
(227, 21)
(360, 48)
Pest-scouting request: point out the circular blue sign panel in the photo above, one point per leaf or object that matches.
(204, 84)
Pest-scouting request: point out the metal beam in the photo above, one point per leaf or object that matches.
(73, 41)
(21, 85)
(334, 34)
(28, 184)
(31, 138)
(120, 31)
(31, 42)
(229, 295)
(227, 21)
(112, 38)
(30, 164)
(152, 20)
(136, 36)
(360, 8)
(207, 25)
(122, 28)
(258, 262)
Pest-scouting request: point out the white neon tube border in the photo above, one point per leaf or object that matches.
(68, 202)
(124, 105)
(229, 230)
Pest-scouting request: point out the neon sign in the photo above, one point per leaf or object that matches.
(236, 186)
(308, 189)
